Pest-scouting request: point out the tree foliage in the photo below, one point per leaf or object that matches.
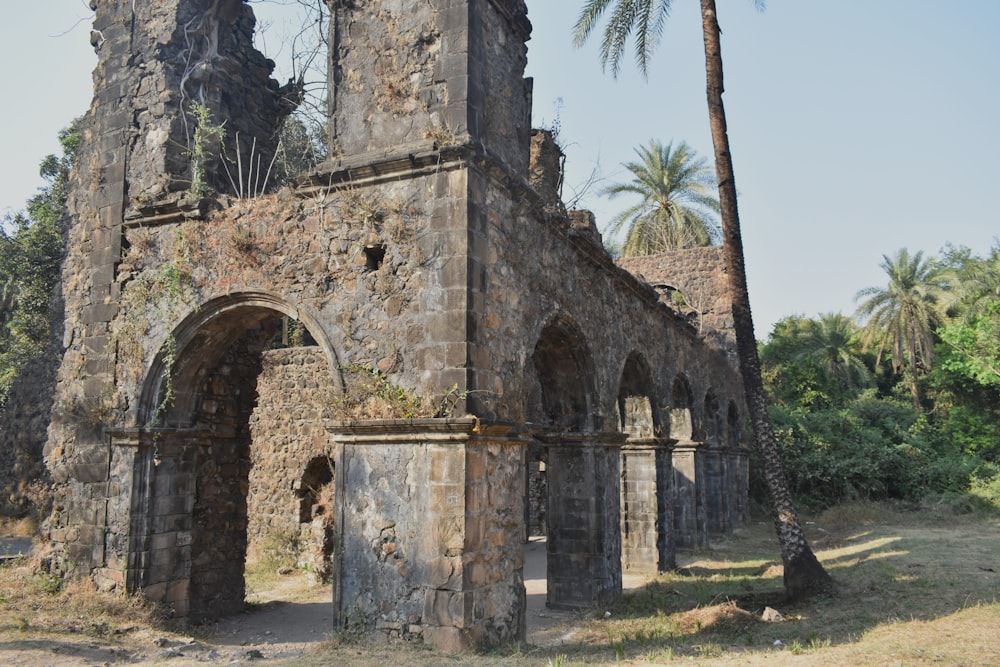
(676, 207)
(31, 250)
(816, 362)
(901, 318)
(842, 440)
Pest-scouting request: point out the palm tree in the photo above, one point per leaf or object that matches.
(677, 208)
(803, 573)
(977, 284)
(901, 317)
(832, 342)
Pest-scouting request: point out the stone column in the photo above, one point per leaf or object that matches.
(736, 465)
(716, 490)
(647, 508)
(158, 482)
(584, 539)
(690, 529)
(430, 531)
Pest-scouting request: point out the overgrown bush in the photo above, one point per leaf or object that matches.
(874, 448)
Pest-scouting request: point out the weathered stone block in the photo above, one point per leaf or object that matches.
(447, 640)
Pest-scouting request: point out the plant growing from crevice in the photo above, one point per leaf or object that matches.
(254, 185)
(371, 395)
(205, 132)
(167, 394)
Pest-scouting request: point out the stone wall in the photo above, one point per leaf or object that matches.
(291, 456)
(693, 281)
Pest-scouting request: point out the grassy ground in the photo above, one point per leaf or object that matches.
(914, 586)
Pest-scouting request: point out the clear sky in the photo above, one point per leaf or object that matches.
(857, 127)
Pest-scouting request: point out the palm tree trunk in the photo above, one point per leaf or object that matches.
(803, 573)
(911, 348)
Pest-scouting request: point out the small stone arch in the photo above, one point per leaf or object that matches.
(712, 424)
(636, 416)
(316, 493)
(734, 426)
(565, 370)
(681, 400)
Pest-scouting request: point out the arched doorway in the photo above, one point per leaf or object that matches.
(233, 411)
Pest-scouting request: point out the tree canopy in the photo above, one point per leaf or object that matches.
(31, 250)
(902, 316)
(676, 207)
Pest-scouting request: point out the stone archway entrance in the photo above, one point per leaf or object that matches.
(237, 411)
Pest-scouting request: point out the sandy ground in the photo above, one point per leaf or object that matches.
(283, 623)
(552, 627)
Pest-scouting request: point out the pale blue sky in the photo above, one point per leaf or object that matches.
(857, 127)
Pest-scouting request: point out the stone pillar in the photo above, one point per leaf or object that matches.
(430, 531)
(736, 464)
(584, 539)
(159, 499)
(690, 523)
(716, 490)
(647, 506)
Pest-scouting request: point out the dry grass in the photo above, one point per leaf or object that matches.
(32, 601)
(22, 527)
(915, 585)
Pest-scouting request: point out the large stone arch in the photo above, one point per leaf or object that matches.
(204, 329)
(205, 429)
(581, 472)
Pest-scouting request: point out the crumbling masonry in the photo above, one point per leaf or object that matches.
(433, 249)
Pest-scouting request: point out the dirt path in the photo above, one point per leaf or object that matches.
(270, 629)
(290, 619)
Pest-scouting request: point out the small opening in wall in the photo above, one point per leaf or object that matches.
(374, 255)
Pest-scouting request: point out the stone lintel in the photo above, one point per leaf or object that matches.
(149, 437)
(602, 440)
(645, 444)
(171, 209)
(392, 164)
(426, 430)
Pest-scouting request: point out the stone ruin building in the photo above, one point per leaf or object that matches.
(212, 331)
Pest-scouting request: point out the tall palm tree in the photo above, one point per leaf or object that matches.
(832, 341)
(676, 209)
(901, 317)
(803, 573)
